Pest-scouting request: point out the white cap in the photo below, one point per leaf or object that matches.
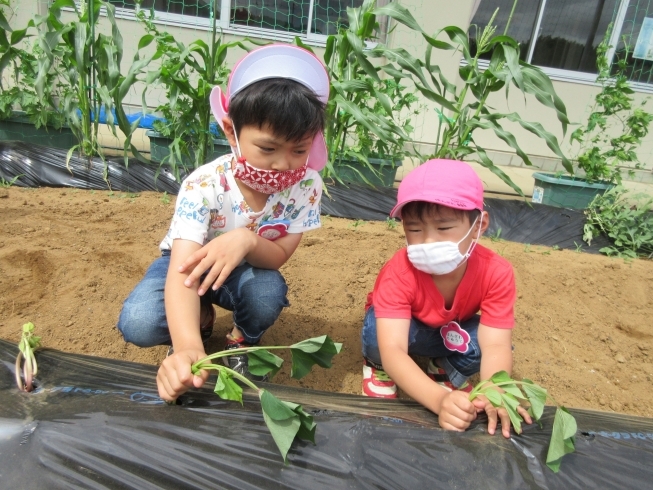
(278, 61)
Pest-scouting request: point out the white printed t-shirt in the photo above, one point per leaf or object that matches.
(210, 204)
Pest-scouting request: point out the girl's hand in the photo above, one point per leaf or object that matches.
(175, 377)
(456, 411)
(481, 403)
(219, 257)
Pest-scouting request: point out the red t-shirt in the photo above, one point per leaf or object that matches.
(401, 291)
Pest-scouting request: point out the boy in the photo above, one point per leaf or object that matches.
(237, 219)
(426, 298)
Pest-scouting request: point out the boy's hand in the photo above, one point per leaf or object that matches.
(175, 378)
(456, 411)
(221, 255)
(495, 414)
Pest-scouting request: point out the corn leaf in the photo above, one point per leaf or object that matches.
(398, 13)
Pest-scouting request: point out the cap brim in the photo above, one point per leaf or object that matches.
(396, 211)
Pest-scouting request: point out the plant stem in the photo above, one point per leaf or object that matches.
(514, 6)
(19, 382)
(230, 352)
(216, 367)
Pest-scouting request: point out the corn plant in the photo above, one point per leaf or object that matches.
(463, 110)
(187, 73)
(364, 111)
(86, 65)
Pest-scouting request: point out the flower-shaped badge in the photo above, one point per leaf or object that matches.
(272, 230)
(455, 338)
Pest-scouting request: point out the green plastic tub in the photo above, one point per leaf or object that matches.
(384, 176)
(565, 191)
(20, 128)
(159, 148)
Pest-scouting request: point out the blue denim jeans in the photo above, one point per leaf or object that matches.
(426, 341)
(256, 297)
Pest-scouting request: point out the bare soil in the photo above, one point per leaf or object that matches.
(68, 259)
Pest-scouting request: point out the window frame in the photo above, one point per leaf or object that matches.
(579, 76)
(227, 27)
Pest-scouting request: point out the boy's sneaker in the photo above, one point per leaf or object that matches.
(376, 382)
(207, 319)
(239, 362)
(439, 375)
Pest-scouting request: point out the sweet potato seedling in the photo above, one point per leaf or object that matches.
(285, 420)
(28, 342)
(512, 393)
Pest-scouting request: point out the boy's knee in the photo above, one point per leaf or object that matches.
(265, 292)
(369, 342)
(139, 325)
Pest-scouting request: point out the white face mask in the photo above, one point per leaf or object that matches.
(440, 257)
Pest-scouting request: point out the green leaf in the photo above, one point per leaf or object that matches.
(398, 13)
(536, 82)
(4, 24)
(262, 362)
(487, 163)
(393, 72)
(145, 41)
(308, 425)
(493, 395)
(17, 36)
(226, 388)
(301, 44)
(510, 403)
(536, 397)
(509, 138)
(500, 377)
(562, 438)
(282, 421)
(357, 46)
(318, 350)
(537, 129)
(405, 60)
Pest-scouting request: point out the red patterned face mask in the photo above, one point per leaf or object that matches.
(266, 181)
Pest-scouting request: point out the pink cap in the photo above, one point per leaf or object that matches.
(278, 61)
(448, 182)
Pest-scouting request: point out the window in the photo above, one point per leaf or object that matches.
(561, 36)
(275, 19)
